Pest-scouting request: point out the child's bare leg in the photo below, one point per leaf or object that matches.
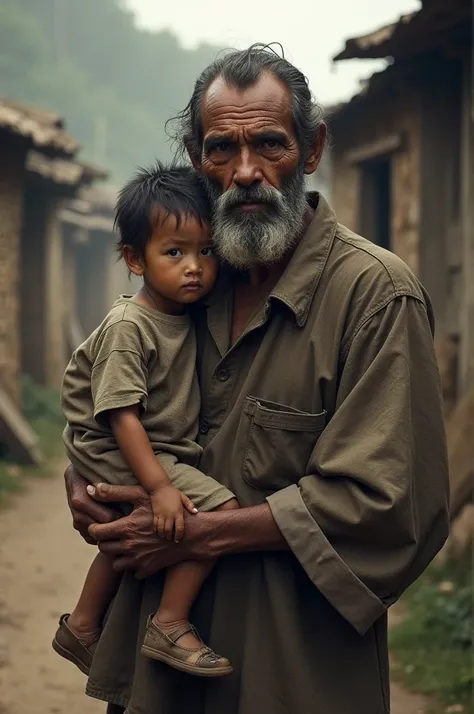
(182, 585)
(99, 588)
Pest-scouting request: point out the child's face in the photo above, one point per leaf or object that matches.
(179, 266)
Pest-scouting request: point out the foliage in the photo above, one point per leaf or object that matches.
(433, 646)
(40, 402)
(115, 84)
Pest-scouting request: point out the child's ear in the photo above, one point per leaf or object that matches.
(135, 262)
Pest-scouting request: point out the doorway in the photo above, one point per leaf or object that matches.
(376, 201)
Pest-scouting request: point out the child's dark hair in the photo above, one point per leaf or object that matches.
(151, 196)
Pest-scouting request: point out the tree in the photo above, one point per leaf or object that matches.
(115, 84)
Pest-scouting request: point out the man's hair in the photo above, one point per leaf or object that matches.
(242, 69)
(151, 196)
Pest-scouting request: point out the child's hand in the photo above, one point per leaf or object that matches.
(168, 506)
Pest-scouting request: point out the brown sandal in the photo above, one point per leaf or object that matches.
(67, 645)
(201, 661)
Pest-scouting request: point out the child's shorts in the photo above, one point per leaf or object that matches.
(206, 493)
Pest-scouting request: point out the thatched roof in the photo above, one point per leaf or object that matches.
(62, 171)
(414, 33)
(92, 209)
(44, 130)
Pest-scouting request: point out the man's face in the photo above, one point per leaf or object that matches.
(253, 169)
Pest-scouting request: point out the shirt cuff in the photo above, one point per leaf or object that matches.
(122, 401)
(326, 569)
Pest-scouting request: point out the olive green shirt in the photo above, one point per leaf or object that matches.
(136, 356)
(328, 407)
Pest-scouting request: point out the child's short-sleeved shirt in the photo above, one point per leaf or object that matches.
(136, 356)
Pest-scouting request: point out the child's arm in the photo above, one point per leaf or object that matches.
(167, 502)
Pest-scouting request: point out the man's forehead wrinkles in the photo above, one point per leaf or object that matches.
(258, 114)
(255, 105)
(251, 109)
(228, 122)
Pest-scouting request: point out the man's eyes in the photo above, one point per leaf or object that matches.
(223, 147)
(269, 144)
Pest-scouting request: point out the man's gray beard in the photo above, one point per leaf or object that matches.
(247, 238)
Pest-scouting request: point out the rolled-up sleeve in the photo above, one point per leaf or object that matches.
(372, 510)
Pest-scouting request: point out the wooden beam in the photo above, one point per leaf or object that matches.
(375, 149)
(16, 433)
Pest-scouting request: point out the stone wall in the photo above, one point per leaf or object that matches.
(12, 176)
(399, 115)
(43, 339)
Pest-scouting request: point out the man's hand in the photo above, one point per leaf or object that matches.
(135, 544)
(133, 540)
(84, 509)
(168, 504)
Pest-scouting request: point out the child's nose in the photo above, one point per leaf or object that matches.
(194, 268)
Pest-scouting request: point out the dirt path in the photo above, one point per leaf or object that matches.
(42, 565)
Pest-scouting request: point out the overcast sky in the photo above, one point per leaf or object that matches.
(311, 32)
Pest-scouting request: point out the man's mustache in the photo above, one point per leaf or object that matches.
(250, 194)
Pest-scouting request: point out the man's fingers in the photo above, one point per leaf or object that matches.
(96, 512)
(82, 522)
(105, 531)
(108, 493)
(178, 529)
(169, 528)
(111, 547)
(122, 563)
(188, 504)
(81, 528)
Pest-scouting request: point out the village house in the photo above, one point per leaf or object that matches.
(37, 171)
(403, 161)
(21, 129)
(43, 281)
(403, 176)
(95, 276)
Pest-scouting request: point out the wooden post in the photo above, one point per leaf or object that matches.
(12, 178)
(466, 371)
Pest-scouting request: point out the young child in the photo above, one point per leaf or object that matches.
(131, 399)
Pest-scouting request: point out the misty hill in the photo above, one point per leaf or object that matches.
(114, 83)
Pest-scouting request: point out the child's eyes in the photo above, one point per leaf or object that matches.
(207, 251)
(174, 252)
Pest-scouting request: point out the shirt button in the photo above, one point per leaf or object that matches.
(204, 428)
(223, 375)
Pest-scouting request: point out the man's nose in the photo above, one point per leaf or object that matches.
(247, 171)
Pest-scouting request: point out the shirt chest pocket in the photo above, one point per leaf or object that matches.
(280, 440)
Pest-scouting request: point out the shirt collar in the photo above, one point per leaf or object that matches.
(298, 284)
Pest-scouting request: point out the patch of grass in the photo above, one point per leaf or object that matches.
(433, 646)
(42, 410)
(10, 479)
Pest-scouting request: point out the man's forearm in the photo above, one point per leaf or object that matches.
(245, 530)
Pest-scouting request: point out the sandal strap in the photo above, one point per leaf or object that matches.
(178, 631)
(181, 630)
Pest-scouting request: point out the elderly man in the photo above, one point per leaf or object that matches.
(321, 410)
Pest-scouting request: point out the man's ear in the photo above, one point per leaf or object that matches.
(193, 155)
(315, 153)
(135, 263)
